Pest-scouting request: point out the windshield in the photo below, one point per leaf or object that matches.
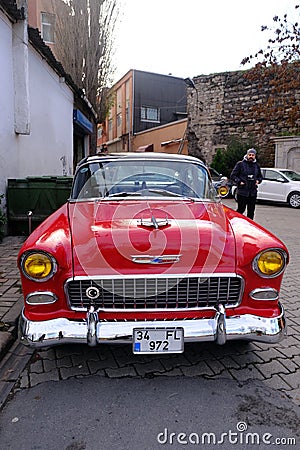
(214, 174)
(291, 175)
(122, 178)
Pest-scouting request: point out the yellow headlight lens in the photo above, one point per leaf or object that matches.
(223, 190)
(270, 263)
(38, 266)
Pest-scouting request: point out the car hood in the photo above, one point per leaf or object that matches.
(129, 237)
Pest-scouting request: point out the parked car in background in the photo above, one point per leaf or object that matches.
(222, 184)
(145, 253)
(279, 185)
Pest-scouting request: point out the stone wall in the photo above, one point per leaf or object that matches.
(220, 107)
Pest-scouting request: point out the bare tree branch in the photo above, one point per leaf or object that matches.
(85, 45)
(284, 46)
(278, 67)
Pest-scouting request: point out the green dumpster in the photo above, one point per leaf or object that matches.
(31, 200)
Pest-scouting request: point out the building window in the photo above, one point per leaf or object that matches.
(150, 114)
(47, 27)
(110, 129)
(119, 120)
(127, 118)
(99, 132)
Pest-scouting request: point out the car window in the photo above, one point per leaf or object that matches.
(291, 175)
(148, 178)
(273, 175)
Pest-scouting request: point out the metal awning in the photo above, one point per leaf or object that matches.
(146, 148)
(173, 141)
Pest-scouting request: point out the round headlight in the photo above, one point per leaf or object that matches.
(270, 263)
(223, 190)
(38, 266)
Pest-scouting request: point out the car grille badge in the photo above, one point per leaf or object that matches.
(149, 259)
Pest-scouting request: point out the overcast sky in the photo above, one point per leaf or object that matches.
(187, 38)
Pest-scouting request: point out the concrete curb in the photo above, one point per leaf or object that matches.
(9, 327)
(11, 366)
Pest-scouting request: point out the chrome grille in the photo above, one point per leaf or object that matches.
(155, 293)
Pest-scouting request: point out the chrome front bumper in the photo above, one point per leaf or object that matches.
(93, 331)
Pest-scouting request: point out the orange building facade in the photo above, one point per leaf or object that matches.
(133, 106)
(41, 15)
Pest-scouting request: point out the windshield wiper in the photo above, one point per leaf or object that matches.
(123, 194)
(144, 192)
(171, 194)
(164, 192)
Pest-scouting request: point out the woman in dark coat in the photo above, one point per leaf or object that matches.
(247, 175)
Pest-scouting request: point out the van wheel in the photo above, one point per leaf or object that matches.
(294, 199)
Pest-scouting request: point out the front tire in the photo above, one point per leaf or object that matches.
(294, 199)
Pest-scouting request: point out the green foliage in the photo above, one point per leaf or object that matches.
(218, 162)
(225, 160)
(2, 218)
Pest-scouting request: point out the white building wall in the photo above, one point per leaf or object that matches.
(8, 144)
(48, 148)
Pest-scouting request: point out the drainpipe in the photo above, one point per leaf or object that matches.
(21, 75)
(132, 114)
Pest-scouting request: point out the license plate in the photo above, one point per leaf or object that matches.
(158, 340)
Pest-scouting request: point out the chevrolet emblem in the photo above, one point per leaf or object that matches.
(148, 259)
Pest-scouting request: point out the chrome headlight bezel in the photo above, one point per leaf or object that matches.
(255, 263)
(51, 259)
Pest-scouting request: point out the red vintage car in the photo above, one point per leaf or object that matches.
(145, 253)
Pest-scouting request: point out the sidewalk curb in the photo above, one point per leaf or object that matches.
(10, 323)
(11, 366)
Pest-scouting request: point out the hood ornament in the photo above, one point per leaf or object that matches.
(149, 259)
(153, 222)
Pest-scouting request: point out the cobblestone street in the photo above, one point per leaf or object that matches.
(277, 366)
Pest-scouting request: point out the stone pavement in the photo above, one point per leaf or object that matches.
(276, 366)
(10, 290)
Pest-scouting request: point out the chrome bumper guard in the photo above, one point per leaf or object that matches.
(93, 331)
